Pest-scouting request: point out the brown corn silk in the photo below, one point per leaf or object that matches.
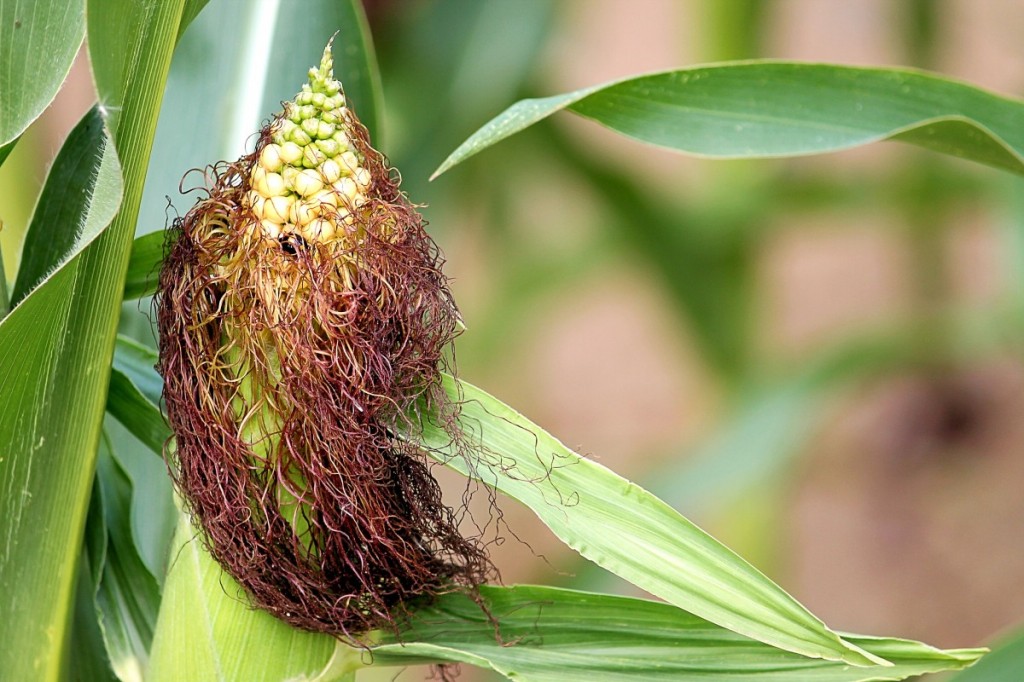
(289, 365)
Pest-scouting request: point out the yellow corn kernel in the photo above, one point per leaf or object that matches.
(318, 229)
(291, 153)
(326, 197)
(303, 212)
(349, 161)
(271, 229)
(346, 188)
(308, 182)
(288, 174)
(277, 209)
(270, 158)
(363, 179)
(331, 170)
(312, 157)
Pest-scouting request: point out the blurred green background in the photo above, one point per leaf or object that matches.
(816, 359)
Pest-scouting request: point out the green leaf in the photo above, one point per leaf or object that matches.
(771, 109)
(6, 149)
(206, 630)
(144, 265)
(556, 635)
(88, 661)
(84, 174)
(1004, 664)
(127, 595)
(624, 529)
(38, 43)
(55, 348)
(137, 363)
(132, 404)
(153, 513)
(129, 406)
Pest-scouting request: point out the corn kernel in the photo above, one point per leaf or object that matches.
(255, 202)
(310, 126)
(275, 185)
(276, 209)
(270, 158)
(329, 147)
(349, 161)
(288, 174)
(330, 169)
(308, 182)
(290, 152)
(302, 212)
(318, 229)
(270, 229)
(346, 187)
(363, 178)
(312, 157)
(300, 137)
(324, 130)
(326, 197)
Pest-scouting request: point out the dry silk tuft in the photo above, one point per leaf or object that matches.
(304, 320)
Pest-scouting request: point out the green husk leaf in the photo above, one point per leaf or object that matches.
(206, 631)
(761, 109)
(546, 634)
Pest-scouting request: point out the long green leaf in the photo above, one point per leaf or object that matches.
(38, 43)
(46, 363)
(771, 109)
(127, 596)
(85, 172)
(144, 265)
(624, 529)
(554, 635)
(88, 661)
(137, 412)
(55, 348)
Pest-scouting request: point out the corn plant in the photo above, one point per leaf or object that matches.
(105, 577)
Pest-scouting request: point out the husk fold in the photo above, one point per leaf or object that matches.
(289, 361)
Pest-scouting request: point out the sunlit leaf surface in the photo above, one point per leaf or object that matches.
(771, 109)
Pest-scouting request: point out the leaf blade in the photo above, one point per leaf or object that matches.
(765, 109)
(54, 351)
(38, 43)
(623, 528)
(551, 634)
